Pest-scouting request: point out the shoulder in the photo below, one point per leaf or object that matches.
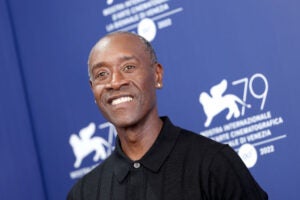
(198, 151)
(212, 156)
(93, 176)
(199, 143)
(87, 186)
(190, 143)
(220, 168)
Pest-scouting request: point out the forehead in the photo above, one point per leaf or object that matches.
(115, 47)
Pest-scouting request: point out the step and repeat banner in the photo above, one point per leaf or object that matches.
(231, 74)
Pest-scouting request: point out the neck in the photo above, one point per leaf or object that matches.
(138, 139)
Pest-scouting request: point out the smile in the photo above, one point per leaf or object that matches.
(121, 100)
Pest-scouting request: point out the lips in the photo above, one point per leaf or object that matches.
(121, 100)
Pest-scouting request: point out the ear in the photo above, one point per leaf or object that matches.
(91, 84)
(159, 73)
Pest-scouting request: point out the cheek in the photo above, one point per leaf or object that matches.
(148, 89)
(146, 86)
(147, 80)
(97, 91)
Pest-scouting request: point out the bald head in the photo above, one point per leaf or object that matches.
(104, 42)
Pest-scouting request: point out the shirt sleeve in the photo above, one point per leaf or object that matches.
(229, 178)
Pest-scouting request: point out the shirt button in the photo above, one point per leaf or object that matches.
(136, 165)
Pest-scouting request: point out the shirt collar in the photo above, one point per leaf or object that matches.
(154, 158)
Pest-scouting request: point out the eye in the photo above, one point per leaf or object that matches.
(128, 68)
(101, 75)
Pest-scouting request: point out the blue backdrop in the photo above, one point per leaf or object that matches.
(231, 74)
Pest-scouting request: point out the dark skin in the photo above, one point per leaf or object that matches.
(124, 81)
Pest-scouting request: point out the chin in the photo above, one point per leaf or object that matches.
(122, 121)
(123, 124)
(124, 118)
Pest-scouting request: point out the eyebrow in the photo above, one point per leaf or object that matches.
(97, 65)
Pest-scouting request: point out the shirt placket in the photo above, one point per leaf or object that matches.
(136, 182)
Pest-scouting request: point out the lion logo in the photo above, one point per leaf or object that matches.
(85, 144)
(216, 102)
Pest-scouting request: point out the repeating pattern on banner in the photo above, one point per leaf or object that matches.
(144, 17)
(247, 134)
(87, 142)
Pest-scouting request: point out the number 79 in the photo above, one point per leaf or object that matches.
(249, 83)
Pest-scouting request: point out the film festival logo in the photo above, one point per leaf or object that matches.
(250, 136)
(144, 17)
(217, 102)
(86, 143)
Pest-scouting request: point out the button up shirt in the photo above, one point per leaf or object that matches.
(180, 165)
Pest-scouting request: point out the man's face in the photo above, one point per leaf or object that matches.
(124, 80)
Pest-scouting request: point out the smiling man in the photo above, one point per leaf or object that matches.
(153, 159)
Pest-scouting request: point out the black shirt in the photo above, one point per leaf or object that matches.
(180, 165)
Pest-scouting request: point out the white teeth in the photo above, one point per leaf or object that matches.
(121, 100)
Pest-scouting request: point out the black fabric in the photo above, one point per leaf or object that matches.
(180, 165)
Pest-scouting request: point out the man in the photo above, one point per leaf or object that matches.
(153, 159)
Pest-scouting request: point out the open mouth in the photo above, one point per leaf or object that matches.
(121, 100)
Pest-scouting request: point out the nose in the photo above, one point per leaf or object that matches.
(117, 80)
